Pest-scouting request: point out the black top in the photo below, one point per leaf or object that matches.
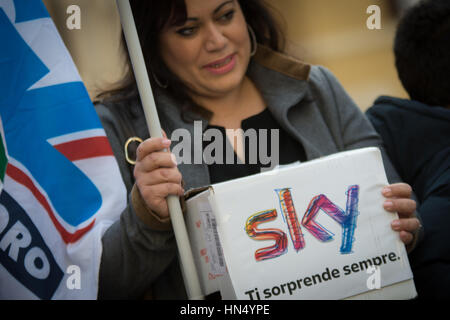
(289, 149)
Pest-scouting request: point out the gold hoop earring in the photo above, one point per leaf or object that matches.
(254, 43)
(159, 83)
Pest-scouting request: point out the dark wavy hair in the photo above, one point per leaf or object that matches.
(422, 52)
(151, 16)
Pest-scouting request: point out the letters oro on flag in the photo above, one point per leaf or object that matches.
(61, 183)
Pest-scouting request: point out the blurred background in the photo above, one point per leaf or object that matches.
(326, 32)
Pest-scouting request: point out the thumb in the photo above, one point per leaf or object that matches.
(164, 134)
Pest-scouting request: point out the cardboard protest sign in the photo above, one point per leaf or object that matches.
(314, 231)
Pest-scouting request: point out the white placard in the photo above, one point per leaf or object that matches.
(303, 263)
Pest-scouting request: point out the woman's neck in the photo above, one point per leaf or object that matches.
(230, 109)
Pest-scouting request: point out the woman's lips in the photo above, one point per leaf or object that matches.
(222, 66)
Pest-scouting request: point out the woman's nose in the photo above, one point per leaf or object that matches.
(215, 39)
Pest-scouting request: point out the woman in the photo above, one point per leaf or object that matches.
(217, 61)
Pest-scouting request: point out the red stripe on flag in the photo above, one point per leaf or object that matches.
(21, 177)
(85, 148)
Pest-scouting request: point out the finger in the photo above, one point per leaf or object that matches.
(155, 195)
(163, 190)
(397, 190)
(404, 207)
(406, 237)
(409, 225)
(164, 134)
(151, 145)
(156, 160)
(159, 176)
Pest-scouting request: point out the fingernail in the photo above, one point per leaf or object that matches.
(396, 225)
(387, 191)
(166, 142)
(174, 159)
(389, 205)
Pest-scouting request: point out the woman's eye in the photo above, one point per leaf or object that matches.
(227, 16)
(186, 31)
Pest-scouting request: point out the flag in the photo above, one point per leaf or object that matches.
(60, 183)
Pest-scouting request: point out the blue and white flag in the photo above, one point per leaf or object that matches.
(60, 183)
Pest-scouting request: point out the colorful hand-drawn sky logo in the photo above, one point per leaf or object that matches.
(347, 220)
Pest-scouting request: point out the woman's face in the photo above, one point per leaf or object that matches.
(210, 52)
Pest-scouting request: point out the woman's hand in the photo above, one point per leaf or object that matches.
(157, 175)
(399, 200)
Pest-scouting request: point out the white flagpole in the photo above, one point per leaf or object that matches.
(191, 280)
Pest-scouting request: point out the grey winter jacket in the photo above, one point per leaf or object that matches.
(139, 251)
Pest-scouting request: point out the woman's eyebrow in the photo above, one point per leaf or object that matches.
(222, 5)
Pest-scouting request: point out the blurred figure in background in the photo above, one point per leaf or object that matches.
(416, 134)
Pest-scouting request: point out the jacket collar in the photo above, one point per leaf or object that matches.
(281, 79)
(282, 63)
